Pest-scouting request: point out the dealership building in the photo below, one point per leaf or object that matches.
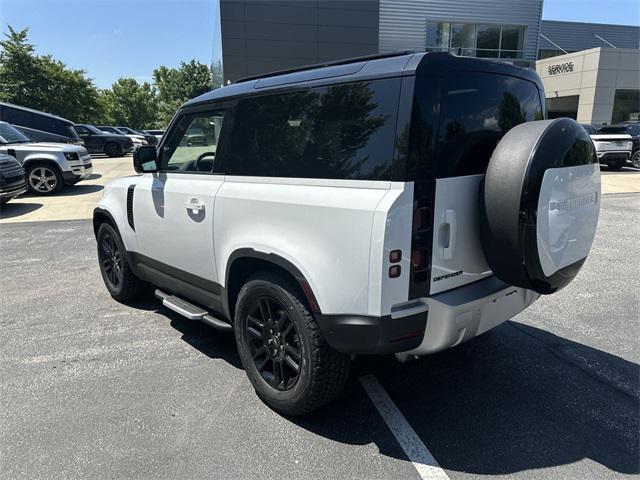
(590, 71)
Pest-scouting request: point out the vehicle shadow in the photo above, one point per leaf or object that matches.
(94, 176)
(518, 398)
(207, 340)
(14, 209)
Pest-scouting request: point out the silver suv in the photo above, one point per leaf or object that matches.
(48, 166)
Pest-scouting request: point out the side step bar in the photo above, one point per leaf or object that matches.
(191, 311)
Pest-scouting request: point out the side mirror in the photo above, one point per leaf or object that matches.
(145, 159)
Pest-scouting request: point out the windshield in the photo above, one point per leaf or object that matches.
(8, 134)
(589, 128)
(622, 129)
(93, 129)
(127, 130)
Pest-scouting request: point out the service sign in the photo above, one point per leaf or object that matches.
(555, 69)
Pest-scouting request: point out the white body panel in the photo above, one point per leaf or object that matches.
(322, 227)
(457, 256)
(174, 215)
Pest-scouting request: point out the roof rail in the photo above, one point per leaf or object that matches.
(326, 64)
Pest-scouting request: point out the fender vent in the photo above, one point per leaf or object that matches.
(130, 207)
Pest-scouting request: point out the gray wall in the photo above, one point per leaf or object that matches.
(263, 36)
(403, 22)
(574, 36)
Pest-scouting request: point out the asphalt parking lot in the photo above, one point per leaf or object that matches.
(95, 389)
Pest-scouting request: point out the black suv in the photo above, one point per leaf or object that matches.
(97, 141)
(12, 182)
(630, 128)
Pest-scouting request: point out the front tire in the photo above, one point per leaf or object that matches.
(44, 179)
(116, 272)
(283, 352)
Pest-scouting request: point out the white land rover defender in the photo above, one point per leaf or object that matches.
(392, 204)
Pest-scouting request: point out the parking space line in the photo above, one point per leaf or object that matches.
(416, 450)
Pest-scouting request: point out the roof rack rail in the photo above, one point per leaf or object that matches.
(344, 61)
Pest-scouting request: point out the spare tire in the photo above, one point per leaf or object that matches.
(540, 204)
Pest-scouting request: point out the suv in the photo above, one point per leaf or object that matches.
(97, 141)
(39, 126)
(150, 138)
(631, 128)
(12, 182)
(613, 148)
(386, 204)
(48, 166)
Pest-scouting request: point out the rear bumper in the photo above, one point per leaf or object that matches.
(461, 314)
(614, 157)
(364, 334)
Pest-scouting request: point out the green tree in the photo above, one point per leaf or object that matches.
(130, 103)
(43, 83)
(174, 86)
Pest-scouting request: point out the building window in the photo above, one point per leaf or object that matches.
(476, 40)
(626, 106)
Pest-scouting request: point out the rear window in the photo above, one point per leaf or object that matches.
(477, 109)
(342, 131)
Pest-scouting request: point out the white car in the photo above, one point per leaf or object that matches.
(372, 206)
(613, 149)
(48, 166)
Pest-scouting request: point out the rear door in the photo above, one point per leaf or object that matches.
(477, 109)
(174, 208)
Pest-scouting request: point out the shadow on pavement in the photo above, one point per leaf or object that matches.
(516, 399)
(93, 176)
(14, 209)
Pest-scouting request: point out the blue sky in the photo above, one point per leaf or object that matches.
(129, 38)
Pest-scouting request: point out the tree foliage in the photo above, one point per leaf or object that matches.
(44, 83)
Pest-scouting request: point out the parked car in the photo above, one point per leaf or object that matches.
(39, 126)
(48, 166)
(613, 149)
(97, 141)
(388, 204)
(156, 133)
(135, 138)
(12, 182)
(151, 139)
(631, 128)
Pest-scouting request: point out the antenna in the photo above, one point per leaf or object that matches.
(553, 43)
(608, 43)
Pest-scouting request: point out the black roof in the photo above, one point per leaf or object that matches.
(365, 68)
(26, 109)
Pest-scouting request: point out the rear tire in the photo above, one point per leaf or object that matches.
(283, 352)
(112, 149)
(635, 159)
(43, 178)
(116, 272)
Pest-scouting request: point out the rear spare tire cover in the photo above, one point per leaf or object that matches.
(540, 204)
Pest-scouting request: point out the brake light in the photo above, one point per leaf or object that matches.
(419, 259)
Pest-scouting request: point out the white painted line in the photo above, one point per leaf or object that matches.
(418, 453)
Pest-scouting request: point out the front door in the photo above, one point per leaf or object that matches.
(173, 209)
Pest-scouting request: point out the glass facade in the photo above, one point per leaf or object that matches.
(476, 40)
(626, 106)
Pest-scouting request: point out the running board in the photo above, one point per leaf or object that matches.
(191, 311)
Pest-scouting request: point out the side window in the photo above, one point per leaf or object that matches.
(193, 143)
(477, 110)
(342, 131)
(81, 131)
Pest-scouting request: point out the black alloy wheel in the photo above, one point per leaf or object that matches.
(111, 260)
(274, 343)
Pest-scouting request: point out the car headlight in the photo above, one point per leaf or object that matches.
(71, 156)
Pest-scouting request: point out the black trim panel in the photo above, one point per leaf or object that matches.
(363, 334)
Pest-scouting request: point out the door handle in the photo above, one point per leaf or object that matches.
(447, 237)
(195, 205)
